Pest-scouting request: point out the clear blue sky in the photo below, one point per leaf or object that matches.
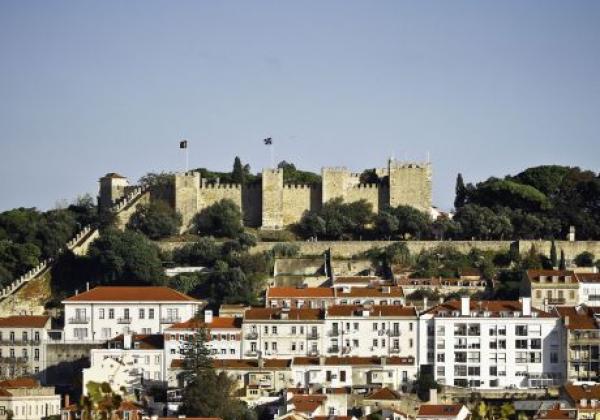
(487, 87)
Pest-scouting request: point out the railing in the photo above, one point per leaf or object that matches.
(395, 350)
(22, 359)
(333, 349)
(170, 320)
(252, 353)
(123, 320)
(555, 301)
(78, 320)
(20, 342)
(334, 333)
(252, 335)
(394, 333)
(312, 336)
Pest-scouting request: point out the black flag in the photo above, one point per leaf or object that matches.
(268, 141)
(183, 144)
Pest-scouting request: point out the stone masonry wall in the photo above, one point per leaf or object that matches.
(298, 199)
(367, 192)
(186, 197)
(410, 184)
(272, 199)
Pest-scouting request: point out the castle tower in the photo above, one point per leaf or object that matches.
(186, 197)
(410, 184)
(112, 188)
(272, 198)
(335, 181)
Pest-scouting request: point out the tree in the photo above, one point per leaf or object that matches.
(204, 252)
(562, 265)
(221, 219)
(585, 259)
(126, 258)
(553, 256)
(425, 381)
(460, 192)
(156, 220)
(238, 174)
(208, 393)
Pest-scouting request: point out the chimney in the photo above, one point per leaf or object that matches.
(154, 417)
(425, 303)
(322, 360)
(208, 316)
(127, 341)
(433, 397)
(526, 306)
(465, 306)
(87, 286)
(583, 402)
(67, 400)
(566, 321)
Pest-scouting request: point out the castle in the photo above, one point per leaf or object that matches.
(272, 204)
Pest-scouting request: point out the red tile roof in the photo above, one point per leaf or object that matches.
(384, 394)
(534, 275)
(20, 383)
(589, 277)
(371, 292)
(251, 363)
(374, 311)
(580, 392)
(217, 323)
(292, 314)
(308, 403)
(24, 321)
(557, 414)
(299, 292)
(579, 318)
(131, 294)
(439, 410)
(495, 307)
(141, 341)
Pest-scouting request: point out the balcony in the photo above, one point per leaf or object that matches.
(395, 350)
(20, 342)
(252, 335)
(333, 349)
(313, 353)
(334, 333)
(252, 353)
(312, 336)
(124, 320)
(78, 320)
(394, 333)
(170, 320)
(555, 301)
(13, 360)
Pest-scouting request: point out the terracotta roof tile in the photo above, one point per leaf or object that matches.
(374, 311)
(557, 414)
(534, 275)
(439, 410)
(20, 383)
(293, 314)
(24, 321)
(495, 307)
(371, 292)
(579, 318)
(384, 394)
(308, 403)
(299, 292)
(579, 392)
(217, 323)
(589, 277)
(141, 341)
(131, 294)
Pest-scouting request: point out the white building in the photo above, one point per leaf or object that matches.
(346, 294)
(23, 346)
(225, 337)
(282, 332)
(128, 362)
(589, 288)
(365, 330)
(366, 373)
(491, 344)
(108, 311)
(443, 412)
(25, 399)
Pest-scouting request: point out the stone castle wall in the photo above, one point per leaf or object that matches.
(273, 205)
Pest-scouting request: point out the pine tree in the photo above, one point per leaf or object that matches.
(553, 256)
(238, 175)
(562, 265)
(461, 192)
(197, 354)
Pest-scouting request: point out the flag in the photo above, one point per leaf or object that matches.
(183, 144)
(268, 141)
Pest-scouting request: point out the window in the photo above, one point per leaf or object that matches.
(493, 370)
(142, 313)
(375, 342)
(101, 313)
(106, 333)
(157, 360)
(36, 336)
(343, 376)
(294, 330)
(535, 357)
(538, 294)
(536, 343)
(24, 335)
(151, 313)
(126, 313)
(274, 346)
(441, 371)
(266, 329)
(460, 357)
(274, 329)
(111, 313)
(460, 370)
(521, 357)
(521, 344)
(410, 326)
(521, 330)
(375, 326)
(553, 357)
(474, 371)
(441, 357)
(80, 333)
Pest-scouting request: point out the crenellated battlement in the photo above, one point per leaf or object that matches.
(298, 186)
(365, 186)
(219, 186)
(335, 169)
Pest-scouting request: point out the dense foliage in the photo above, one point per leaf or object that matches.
(291, 175)
(221, 219)
(337, 220)
(28, 236)
(540, 202)
(156, 220)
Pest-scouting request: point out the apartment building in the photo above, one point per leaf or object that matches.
(225, 334)
(323, 297)
(105, 312)
(128, 362)
(366, 330)
(282, 332)
(443, 286)
(491, 344)
(581, 341)
(589, 288)
(366, 373)
(26, 399)
(585, 399)
(551, 288)
(23, 346)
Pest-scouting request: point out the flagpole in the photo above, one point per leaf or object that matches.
(187, 159)
(272, 156)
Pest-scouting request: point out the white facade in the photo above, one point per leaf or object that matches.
(371, 331)
(106, 312)
(589, 288)
(491, 344)
(27, 401)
